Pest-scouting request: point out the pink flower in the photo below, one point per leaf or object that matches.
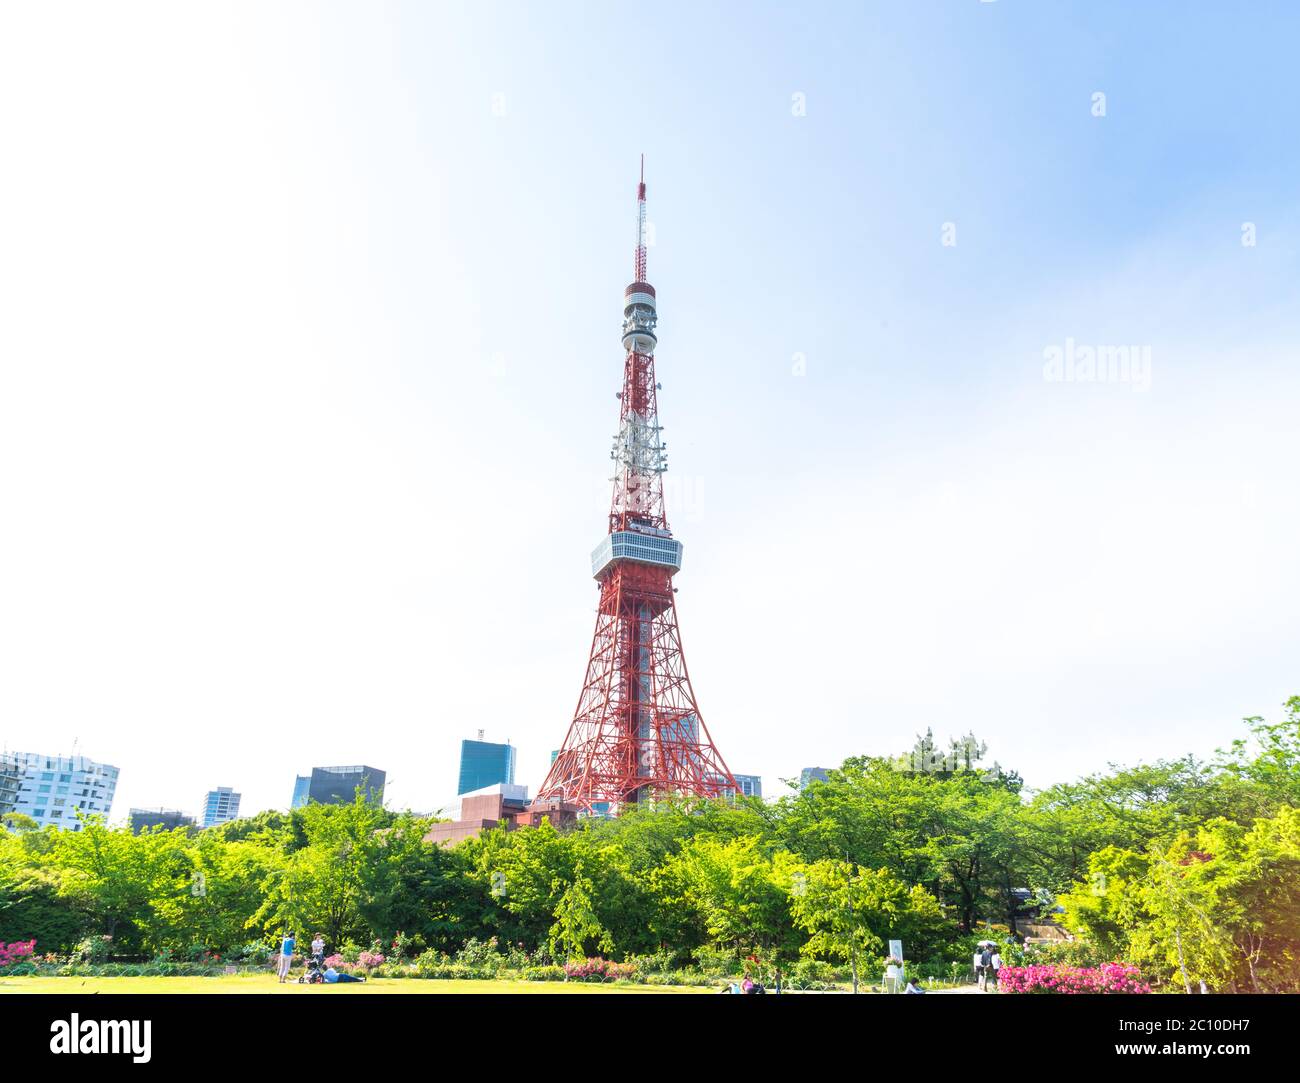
(1051, 978)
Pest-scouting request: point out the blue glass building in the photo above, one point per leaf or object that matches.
(483, 763)
(219, 806)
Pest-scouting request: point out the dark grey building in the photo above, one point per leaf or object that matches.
(167, 818)
(338, 785)
(813, 774)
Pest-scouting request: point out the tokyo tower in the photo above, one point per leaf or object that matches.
(637, 733)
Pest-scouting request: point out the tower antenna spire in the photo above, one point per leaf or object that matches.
(640, 225)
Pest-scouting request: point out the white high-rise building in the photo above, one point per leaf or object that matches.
(11, 777)
(55, 788)
(220, 805)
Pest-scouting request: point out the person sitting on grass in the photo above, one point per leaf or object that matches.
(332, 977)
(913, 986)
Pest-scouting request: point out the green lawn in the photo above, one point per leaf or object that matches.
(267, 983)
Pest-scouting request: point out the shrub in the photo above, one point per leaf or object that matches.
(432, 964)
(19, 950)
(954, 972)
(1050, 978)
(367, 960)
(21, 969)
(516, 958)
(94, 949)
(812, 974)
(455, 972)
(402, 947)
(428, 959)
(599, 970)
(1066, 953)
(715, 963)
(680, 977)
(659, 962)
(481, 955)
(254, 953)
(543, 973)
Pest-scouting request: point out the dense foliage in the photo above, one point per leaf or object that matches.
(1189, 870)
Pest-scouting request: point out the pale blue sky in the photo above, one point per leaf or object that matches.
(310, 344)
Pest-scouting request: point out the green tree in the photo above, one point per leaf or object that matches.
(849, 912)
(324, 884)
(576, 924)
(426, 891)
(960, 833)
(1268, 762)
(741, 897)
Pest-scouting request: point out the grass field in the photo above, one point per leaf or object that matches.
(266, 983)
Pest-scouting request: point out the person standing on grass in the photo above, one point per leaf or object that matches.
(286, 956)
(318, 948)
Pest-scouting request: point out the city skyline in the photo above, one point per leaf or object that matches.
(299, 351)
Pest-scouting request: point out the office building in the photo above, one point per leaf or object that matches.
(301, 787)
(11, 779)
(809, 774)
(338, 785)
(750, 785)
(55, 789)
(143, 819)
(483, 763)
(219, 806)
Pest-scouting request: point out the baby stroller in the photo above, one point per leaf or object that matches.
(315, 973)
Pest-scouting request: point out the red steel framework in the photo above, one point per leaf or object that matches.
(637, 733)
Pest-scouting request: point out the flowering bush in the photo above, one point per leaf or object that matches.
(481, 955)
(197, 953)
(94, 949)
(1050, 978)
(15, 952)
(335, 961)
(599, 970)
(369, 959)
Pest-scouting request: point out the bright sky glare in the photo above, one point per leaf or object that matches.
(309, 339)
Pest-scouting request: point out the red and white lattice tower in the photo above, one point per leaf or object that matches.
(637, 733)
